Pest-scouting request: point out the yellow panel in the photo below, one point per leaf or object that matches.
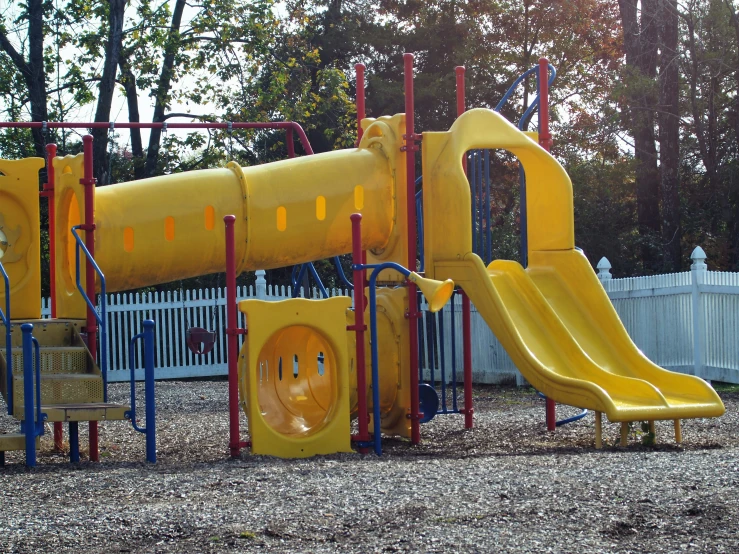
(20, 244)
(296, 403)
(69, 204)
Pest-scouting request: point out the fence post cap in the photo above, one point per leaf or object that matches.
(604, 263)
(699, 258)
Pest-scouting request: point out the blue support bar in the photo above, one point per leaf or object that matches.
(442, 360)
(74, 442)
(454, 354)
(5, 316)
(29, 424)
(342, 276)
(151, 437)
(102, 317)
(149, 397)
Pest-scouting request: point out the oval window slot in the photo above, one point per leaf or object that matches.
(359, 197)
(279, 368)
(169, 228)
(295, 366)
(210, 218)
(128, 239)
(321, 208)
(321, 366)
(281, 218)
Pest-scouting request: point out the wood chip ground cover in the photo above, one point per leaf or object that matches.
(505, 486)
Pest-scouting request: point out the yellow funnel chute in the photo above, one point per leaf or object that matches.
(437, 293)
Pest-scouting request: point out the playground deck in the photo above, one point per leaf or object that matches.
(507, 485)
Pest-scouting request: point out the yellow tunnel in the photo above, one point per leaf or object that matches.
(166, 228)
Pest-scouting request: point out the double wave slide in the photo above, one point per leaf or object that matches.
(559, 327)
(554, 318)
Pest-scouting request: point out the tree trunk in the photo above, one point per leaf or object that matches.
(107, 88)
(641, 36)
(33, 70)
(163, 86)
(669, 136)
(128, 80)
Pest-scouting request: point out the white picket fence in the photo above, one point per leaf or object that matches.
(687, 322)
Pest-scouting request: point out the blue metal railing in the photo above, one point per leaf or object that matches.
(149, 399)
(5, 316)
(33, 419)
(301, 274)
(101, 318)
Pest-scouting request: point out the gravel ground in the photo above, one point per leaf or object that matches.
(505, 486)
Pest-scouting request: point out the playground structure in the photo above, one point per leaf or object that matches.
(301, 371)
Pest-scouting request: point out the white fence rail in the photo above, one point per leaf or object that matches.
(687, 322)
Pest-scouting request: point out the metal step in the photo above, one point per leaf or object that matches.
(55, 359)
(15, 441)
(85, 412)
(61, 388)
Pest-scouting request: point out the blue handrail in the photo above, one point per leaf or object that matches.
(5, 316)
(296, 280)
(102, 316)
(150, 430)
(33, 423)
(340, 270)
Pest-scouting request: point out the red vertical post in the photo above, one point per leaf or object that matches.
(545, 141)
(545, 137)
(91, 329)
(410, 149)
(468, 410)
(232, 332)
(359, 68)
(290, 143)
(359, 328)
(49, 193)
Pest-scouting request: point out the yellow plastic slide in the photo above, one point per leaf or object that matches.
(554, 319)
(573, 291)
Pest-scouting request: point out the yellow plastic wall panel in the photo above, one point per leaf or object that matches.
(167, 228)
(69, 206)
(392, 332)
(446, 204)
(294, 377)
(573, 290)
(20, 250)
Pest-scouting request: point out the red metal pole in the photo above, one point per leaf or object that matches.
(468, 410)
(290, 143)
(88, 181)
(459, 73)
(232, 332)
(410, 149)
(359, 328)
(545, 137)
(545, 141)
(359, 68)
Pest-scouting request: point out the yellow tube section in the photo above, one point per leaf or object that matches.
(171, 227)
